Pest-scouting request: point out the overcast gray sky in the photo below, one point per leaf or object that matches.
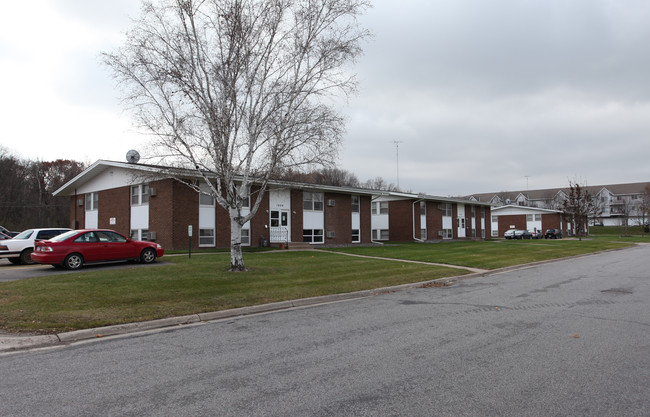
(482, 95)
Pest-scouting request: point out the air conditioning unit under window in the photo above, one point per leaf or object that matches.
(152, 192)
(331, 203)
(152, 235)
(331, 234)
(441, 233)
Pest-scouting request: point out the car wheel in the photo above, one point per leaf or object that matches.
(26, 257)
(73, 261)
(15, 261)
(148, 256)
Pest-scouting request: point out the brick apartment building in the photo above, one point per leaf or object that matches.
(408, 217)
(527, 218)
(135, 200)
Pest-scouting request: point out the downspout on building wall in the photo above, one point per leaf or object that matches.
(413, 208)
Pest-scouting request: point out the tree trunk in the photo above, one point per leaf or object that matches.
(236, 256)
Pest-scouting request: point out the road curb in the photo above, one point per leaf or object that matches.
(18, 343)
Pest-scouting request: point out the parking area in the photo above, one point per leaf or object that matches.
(11, 272)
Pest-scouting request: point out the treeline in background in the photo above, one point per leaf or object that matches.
(26, 188)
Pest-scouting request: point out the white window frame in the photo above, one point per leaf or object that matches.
(245, 237)
(139, 195)
(423, 208)
(139, 234)
(447, 209)
(206, 200)
(423, 234)
(92, 201)
(313, 236)
(312, 201)
(207, 239)
(380, 234)
(356, 204)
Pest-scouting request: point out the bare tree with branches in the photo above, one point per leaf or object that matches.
(237, 90)
(644, 209)
(581, 206)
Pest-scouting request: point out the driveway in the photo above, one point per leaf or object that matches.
(11, 272)
(569, 338)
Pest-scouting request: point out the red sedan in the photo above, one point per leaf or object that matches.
(75, 248)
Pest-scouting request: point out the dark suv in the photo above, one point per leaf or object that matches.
(553, 234)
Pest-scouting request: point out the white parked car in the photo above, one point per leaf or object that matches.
(19, 249)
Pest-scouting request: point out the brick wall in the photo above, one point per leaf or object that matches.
(434, 220)
(161, 212)
(550, 221)
(185, 211)
(516, 220)
(400, 220)
(365, 217)
(77, 212)
(296, 215)
(259, 222)
(115, 203)
(488, 222)
(338, 218)
(454, 220)
(417, 220)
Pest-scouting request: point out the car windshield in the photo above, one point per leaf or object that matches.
(24, 235)
(63, 236)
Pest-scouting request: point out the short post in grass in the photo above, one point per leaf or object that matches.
(189, 237)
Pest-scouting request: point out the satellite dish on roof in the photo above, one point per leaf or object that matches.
(132, 156)
(507, 199)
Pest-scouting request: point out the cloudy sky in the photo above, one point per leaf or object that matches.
(481, 95)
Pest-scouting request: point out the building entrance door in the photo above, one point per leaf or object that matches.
(279, 221)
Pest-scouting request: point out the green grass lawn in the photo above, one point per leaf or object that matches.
(488, 254)
(200, 284)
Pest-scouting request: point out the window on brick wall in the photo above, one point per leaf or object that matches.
(312, 235)
(380, 234)
(423, 208)
(206, 200)
(356, 236)
(447, 209)
(139, 194)
(355, 204)
(312, 201)
(423, 234)
(380, 207)
(206, 237)
(245, 237)
(139, 234)
(92, 201)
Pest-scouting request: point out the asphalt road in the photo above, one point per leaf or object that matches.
(11, 272)
(569, 338)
